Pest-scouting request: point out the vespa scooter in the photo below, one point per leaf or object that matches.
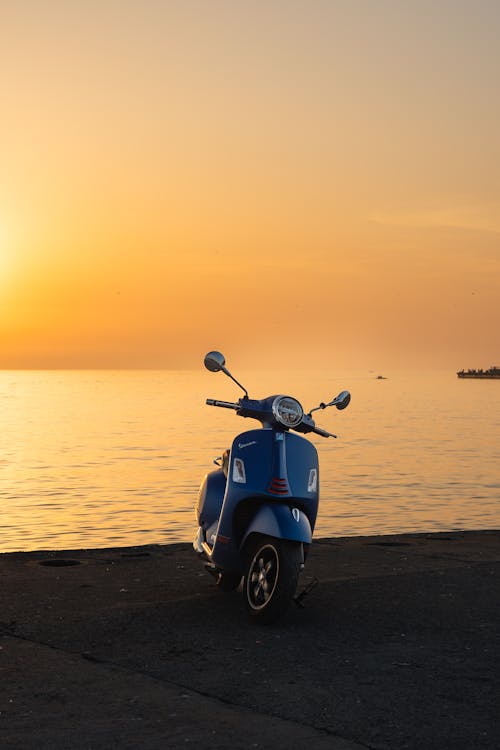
(257, 511)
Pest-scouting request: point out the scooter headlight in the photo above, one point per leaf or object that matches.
(287, 411)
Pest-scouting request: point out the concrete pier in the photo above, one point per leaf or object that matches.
(396, 647)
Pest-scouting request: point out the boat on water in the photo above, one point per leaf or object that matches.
(493, 372)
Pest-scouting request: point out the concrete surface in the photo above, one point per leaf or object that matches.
(396, 647)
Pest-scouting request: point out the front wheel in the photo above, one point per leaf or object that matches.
(271, 574)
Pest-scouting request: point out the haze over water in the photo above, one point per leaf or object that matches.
(107, 458)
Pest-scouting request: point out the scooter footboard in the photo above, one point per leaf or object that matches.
(282, 522)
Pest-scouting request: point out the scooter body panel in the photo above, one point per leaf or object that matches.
(282, 522)
(210, 498)
(270, 473)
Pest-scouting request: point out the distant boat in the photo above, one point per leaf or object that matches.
(493, 372)
(381, 377)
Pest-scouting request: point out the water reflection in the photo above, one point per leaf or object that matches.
(91, 459)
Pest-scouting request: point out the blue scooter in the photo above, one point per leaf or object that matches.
(257, 511)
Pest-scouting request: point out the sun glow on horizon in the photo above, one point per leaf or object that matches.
(177, 177)
(6, 249)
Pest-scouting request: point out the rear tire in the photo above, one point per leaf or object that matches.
(271, 573)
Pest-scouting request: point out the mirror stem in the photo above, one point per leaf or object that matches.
(226, 372)
(321, 406)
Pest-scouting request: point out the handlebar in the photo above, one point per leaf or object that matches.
(323, 433)
(307, 425)
(223, 404)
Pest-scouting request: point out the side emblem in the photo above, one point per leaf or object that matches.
(296, 514)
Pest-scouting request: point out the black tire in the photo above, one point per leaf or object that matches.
(228, 581)
(271, 573)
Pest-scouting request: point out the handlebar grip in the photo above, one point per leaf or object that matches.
(223, 404)
(323, 433)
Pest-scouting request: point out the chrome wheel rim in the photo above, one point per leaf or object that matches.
(262, 577)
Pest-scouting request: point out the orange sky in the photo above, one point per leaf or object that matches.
(321, 177)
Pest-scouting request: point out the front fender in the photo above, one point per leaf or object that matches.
(282, 522)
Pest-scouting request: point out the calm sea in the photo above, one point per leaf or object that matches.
(100, 458)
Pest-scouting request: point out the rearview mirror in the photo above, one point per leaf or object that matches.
(214, 361)
(341, 401)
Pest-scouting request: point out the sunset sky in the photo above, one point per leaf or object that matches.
(281, 180)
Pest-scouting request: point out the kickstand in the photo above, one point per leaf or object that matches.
(212, 570)
(305, 591)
